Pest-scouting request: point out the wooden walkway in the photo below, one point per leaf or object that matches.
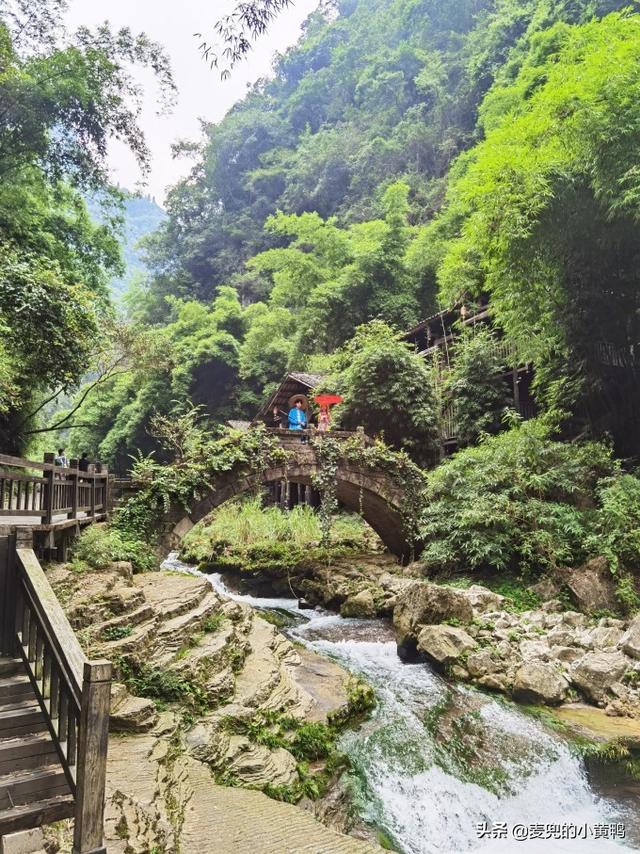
(54, 708)
(44, 496)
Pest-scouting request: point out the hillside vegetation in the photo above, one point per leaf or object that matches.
(404, 155)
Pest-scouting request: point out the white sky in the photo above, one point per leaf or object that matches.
(201, 93)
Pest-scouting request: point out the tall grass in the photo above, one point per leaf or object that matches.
(248, 524)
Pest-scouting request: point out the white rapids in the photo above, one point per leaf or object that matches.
(396, 782)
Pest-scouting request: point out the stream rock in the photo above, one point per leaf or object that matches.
(423, 603)
(596, 672)
(630, 642)
(444, 644)
(361, 604)
(537, 682)
(591, 586)
(533, 656)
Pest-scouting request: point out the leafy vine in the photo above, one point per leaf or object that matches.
(328, 453)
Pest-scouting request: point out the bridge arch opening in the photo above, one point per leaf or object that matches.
(372, 495)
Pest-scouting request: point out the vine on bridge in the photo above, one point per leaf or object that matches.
(375, 457)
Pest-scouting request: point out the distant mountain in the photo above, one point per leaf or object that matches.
(142, 215)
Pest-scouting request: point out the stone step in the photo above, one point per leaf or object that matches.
(171, 595)
(133, 714)
(133, 618)
(23, 842)
(35, 814)
(138, 644)
(265, 680)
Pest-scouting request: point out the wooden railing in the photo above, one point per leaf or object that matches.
(73, 693)
(615, 356)
(43, 491)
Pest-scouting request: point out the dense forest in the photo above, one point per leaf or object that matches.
(404, 156)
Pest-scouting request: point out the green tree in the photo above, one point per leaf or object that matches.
(60, 104)
(543, 215)
(387, 390)
(475, 384)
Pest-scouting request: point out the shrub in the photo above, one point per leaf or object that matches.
(517, 501)
(99, 545)
(165, 686)
(617, 526)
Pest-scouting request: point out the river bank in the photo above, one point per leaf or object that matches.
(534, 644)
(215, 703)
(212, 708)
(435, 761)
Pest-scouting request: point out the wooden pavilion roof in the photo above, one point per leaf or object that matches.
(295, 382)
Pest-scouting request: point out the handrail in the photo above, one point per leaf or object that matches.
(52, 621)
(73, 692)
(58, 491)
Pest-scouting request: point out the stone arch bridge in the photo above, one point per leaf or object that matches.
(371, 492)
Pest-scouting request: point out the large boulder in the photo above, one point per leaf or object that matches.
(596, 672)
(537, 682)
(422, 604)
(482, 599)
(605, 636)
(444, 644)
(361, 604)
(630, 641)
(591, 586)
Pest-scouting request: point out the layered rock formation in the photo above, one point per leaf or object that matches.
(213, 665)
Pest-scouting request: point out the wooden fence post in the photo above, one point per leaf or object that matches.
(48, 490)
(93, 738)
(93, 495)
(73, 465)
(8, 593)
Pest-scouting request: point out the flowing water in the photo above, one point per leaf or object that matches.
(414, 788)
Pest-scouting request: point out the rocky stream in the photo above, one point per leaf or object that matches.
(444, 767)
(229, 687)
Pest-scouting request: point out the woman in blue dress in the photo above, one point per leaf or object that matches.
(297, 417)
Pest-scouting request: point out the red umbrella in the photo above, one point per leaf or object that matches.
(326, 400)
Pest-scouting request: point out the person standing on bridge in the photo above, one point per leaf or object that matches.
(297, 417)
(61, 459)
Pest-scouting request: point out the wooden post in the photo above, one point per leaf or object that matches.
(48, 490)
(93, 495)
(8, 591)
(516, 390)
(109, 493)
(104, 480)
(73, 465)
(93, 738)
